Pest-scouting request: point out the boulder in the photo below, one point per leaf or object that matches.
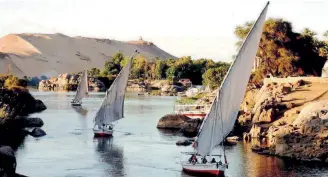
(7, 161)
(184, 142)
(172, 121)
(37, 132)
(191, 126)
(33, 122)
(267, 116)
(69, 82)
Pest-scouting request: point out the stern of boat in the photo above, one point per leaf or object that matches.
(208, 168)
(203, 169)
(103, 132)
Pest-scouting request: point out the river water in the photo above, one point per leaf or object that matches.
(137, 148)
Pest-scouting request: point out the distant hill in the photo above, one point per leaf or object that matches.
(52, 54)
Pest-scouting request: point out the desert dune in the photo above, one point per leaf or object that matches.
(52, 54)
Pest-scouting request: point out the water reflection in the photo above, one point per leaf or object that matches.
(80, 110)
(170, 135)
(111, 155)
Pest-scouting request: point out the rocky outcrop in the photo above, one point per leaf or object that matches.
(69, 82)
(180, 122)
(191, 126)
(172, 121)
(306, 138)
(7, 162)
(37, 132)
(15, 106)
(292, 124)
(171, 90)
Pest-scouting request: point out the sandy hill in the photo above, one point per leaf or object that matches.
(52, 54)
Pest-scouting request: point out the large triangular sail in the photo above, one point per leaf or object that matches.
(82, 88)
(223, 113)
(112, 106)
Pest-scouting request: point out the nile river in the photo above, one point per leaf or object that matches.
(137, 148)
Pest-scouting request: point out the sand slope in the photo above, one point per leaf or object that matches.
(52, 54)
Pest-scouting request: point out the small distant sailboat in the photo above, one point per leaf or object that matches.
(220, 120)
(112, 107)
(82, 89)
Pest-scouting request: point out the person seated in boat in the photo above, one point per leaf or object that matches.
(109, 127)
(213, 160)
(76, 102)
(204, 161)
(193, 159)
(220, 163)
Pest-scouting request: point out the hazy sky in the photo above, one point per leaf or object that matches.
(199, 28)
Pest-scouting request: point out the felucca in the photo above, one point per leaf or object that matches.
(112, 107)
(220, 120)
(82, 89)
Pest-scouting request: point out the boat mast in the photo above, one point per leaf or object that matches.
(214, 122)
(224, 155)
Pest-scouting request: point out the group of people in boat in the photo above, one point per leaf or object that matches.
(193, 159)
(104, 127)
(75, 102)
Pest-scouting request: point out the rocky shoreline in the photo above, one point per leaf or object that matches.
(15, 106)
(69, 82)
(286, 119)
(189, 127)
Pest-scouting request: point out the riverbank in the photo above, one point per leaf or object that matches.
(69, 82)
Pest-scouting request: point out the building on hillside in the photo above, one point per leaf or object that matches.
(186, 82)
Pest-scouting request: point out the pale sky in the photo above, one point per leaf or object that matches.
(197, 28)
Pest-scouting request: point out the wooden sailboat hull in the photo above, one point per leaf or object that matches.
(203, 169)
(103, 133)
(76, 104)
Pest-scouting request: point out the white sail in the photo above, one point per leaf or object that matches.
(223, 113)
(82, 88)
(112, 107)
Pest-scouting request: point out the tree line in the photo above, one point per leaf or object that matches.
(200, 71)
